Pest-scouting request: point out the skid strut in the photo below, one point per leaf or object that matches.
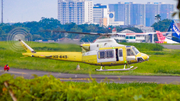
(124, 69)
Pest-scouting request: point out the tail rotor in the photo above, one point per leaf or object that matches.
(14, 36)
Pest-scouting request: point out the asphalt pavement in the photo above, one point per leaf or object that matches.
(171, 46)
(28, 74)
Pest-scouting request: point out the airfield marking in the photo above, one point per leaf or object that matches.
(74, 78)
(91, 79)
(12, 72)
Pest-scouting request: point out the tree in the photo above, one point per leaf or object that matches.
(158, 18)
(74, 29)
(178, 7)
(39, 29)
(89, 38)
(49, 23)
(162, 25)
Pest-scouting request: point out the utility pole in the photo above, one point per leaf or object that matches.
(1, 11)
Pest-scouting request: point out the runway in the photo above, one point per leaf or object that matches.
(171, 46)
(99, 78)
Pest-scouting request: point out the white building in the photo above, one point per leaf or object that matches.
(144, 28)
(112, 22)
(130, 36)
(77, 11)
(100, 14)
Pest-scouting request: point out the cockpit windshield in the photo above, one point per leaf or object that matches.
(136, 51)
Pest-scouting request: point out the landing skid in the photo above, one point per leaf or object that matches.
(124, 69)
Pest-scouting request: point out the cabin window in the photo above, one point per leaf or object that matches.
(109, 54)
(102, 54)
(55, 56)
(120, 53)
(130, 52)
(106, 54)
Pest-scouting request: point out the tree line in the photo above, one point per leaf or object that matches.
(39, 29)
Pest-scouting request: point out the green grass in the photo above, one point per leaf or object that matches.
(49, 88)
(146, 46)
(165, 62)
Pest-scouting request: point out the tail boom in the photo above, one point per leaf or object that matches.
(26, 47)
(66, 56)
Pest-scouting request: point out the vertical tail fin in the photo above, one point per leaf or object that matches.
(160, 36)
(174, 29)
(175, 35)
(26, 47)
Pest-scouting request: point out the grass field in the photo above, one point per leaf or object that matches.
(161, 62)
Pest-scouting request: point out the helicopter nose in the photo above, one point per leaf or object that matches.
(145, 57)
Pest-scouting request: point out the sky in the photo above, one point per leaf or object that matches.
(34, 10)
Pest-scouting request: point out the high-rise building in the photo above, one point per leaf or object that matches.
(141, 14)
(100, 15)
(77, 11)
(152, 9)
(125, 10)
(137, 18)
(119, 10)
(166, 11)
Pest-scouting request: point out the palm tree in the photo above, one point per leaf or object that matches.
(178, 12)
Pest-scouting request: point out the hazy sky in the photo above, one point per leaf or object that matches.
(33, 10)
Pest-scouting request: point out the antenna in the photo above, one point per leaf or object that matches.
(1, 11)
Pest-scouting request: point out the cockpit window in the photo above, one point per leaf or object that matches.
(135, 50)
(130, 52)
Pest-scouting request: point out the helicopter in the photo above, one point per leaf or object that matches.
(102, 52)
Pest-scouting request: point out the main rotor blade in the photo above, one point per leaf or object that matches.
(102, 34)
(90, 33)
